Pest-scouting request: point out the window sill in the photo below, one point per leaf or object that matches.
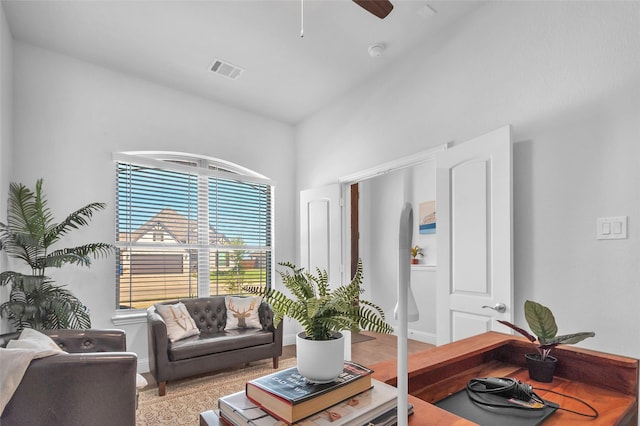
(128, 318)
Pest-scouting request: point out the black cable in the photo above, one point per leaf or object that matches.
(513, 390)
(593, 416)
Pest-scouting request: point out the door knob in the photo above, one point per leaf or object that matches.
(500, 307)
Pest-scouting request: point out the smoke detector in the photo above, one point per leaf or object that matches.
(375, 50)
(225, 69)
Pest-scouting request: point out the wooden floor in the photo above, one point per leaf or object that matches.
(382, 348)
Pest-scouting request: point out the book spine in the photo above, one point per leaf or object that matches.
(270, 412)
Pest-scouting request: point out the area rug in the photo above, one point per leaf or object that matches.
(186, 399)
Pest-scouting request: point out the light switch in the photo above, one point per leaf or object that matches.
(617, 227)
(612, 228)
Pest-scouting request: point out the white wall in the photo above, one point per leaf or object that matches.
(70, 116)
(566, 76)
(6, 133)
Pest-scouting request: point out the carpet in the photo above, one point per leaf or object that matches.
(186, 399)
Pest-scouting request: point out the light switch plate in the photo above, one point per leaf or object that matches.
(612, 228)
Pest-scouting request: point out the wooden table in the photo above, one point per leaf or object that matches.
(607, 382)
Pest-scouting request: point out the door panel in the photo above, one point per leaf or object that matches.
(469, 228)
(321, 231)
(473, 193)
(465, 325)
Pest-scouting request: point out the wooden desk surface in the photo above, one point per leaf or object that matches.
(607, 382)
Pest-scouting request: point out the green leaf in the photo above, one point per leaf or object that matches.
(541, 321)
(570, 339)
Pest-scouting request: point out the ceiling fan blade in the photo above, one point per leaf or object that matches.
(380, 8)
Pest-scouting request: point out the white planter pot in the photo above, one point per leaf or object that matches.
(320, 361)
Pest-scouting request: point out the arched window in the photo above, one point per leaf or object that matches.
(189, 226)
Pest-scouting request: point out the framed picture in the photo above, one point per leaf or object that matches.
(427, 211)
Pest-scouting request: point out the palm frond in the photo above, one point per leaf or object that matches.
(80, 255)
(80, 217)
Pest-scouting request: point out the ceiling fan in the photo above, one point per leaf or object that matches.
(380, 8)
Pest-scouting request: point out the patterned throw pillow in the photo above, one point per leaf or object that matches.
(242, 312)
(179, 322)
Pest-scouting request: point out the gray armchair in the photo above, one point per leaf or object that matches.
(95, 383)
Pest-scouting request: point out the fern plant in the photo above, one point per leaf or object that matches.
(320, 310)
(29, 235)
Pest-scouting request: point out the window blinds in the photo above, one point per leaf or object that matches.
(186, 231)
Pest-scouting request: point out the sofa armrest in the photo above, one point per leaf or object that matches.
(266, 319)
(76, 389)
(158, 344)
(79, 341)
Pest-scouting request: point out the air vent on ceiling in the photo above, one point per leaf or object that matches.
(225, 69)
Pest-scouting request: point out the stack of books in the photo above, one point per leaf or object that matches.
(286, 398)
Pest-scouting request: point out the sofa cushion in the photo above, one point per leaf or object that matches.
(242, 312)
(212, 343)
(178, 320)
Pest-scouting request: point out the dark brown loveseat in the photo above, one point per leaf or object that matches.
(215, 347)
(95, 383)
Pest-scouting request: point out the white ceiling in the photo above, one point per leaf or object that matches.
(286, 77)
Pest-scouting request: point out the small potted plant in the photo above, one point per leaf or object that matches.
(323, 313)
(415, 252)
(542, 323)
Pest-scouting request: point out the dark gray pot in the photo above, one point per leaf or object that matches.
(541, 371)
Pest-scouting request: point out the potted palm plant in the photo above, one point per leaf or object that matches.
(29, 235)
(322, 313)
(542, 323)
(415, 252)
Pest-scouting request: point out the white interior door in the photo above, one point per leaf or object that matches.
(321, 237)
(321, 231)
(474, 219)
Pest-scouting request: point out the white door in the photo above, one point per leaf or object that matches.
(321, 231)
(321, 237)
(474, 242)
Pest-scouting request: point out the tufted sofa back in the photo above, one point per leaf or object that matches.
(81, 341)
(210, 313)
(86, 341)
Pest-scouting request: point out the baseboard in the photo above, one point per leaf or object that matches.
(288, 339)
(421, 336)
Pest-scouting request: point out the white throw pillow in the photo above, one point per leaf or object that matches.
(242, 312)
(141, 382)
(179, 322)
(36, 341)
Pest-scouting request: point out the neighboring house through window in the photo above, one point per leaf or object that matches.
(189, 226)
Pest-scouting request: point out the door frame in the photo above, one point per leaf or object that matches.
(381, 169)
